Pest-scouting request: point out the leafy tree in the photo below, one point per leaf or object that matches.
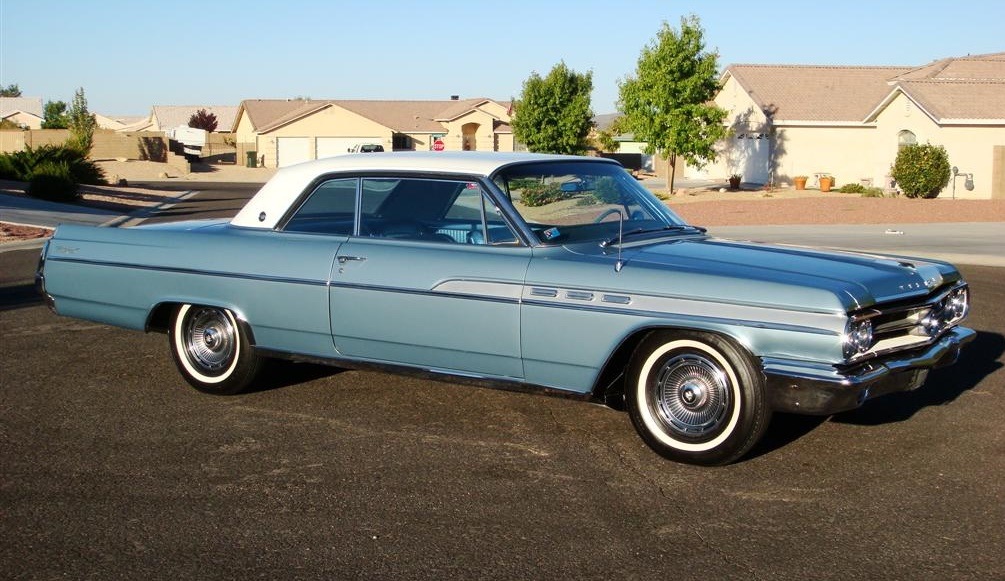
(55, 115)
(921, 171)
(203, 119)
(553, 113)
(668, 103)
(81, 124)
(10, 91)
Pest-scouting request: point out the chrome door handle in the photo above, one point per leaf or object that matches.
(345, 259)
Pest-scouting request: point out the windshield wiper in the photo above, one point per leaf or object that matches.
(621, 236)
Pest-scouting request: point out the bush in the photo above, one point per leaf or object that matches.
(921, 171)
(22, 165)
(541, 194)
(852, 189)
(53, 180)
(872, 192)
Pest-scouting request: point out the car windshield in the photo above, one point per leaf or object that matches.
(576, 202)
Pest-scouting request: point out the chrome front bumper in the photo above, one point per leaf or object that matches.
(802, 388)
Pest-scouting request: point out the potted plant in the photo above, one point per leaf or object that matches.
(826, 182)
(734, 181)
(800, 182)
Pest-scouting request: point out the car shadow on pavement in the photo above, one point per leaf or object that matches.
(978, 360)
(19, 297)
(782, 431)
(279, 374)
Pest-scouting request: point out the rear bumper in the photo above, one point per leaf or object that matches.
(802, 388)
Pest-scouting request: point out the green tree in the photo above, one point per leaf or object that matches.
(55, 115)
(553, 113)
(921, 171)
(667, 104)
(203, 119)
(81, 124)
(10, 91)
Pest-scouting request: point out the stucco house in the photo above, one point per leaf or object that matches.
(25, 112)
(289, 131)
(165, 117)
(849, 121)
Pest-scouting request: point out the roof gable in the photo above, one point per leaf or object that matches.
(399, 116)
(31, 105)
(792, 93)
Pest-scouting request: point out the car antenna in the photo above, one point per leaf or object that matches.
(621, 230)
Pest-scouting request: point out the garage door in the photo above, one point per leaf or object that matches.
(331, 146)
(291, 150)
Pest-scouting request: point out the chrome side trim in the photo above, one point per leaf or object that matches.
(193, 271)
(502, 383)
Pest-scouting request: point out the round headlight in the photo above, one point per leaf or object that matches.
(958, 304)
(858, 337)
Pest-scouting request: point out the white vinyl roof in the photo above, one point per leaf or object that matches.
(285, 187)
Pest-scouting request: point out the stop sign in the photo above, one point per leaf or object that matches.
(438, 145)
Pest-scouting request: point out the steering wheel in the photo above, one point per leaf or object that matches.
(606, 213)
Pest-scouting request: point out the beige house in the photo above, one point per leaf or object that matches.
(285, 132)
(850, 121)
(26, 112)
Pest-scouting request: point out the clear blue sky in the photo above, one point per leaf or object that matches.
(132, 54)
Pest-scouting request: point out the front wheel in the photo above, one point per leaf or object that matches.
(696, 397)
(211, 351)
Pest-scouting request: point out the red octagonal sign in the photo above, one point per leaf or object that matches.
(438, 145)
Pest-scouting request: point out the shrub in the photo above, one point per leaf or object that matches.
(921, 171)
(540, 194)
(852, 189)
(52, 180)
(21, 165)
(872, 192)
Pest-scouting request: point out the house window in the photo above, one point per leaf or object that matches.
(906, 137)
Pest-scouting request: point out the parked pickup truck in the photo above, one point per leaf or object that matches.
(366, 148)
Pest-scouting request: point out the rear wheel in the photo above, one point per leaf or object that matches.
(211, 350)
(696, 397)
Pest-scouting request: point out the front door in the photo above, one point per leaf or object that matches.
(433, 278)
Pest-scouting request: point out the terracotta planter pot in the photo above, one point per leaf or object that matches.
(825, 184)
(800, 183)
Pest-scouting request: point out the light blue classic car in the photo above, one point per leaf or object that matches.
(553, 273)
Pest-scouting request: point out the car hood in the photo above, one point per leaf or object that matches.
(779, 275)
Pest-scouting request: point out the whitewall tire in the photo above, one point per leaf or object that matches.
(695, 397)
(211, 350)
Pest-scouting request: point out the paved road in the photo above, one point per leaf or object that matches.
(114, 468)
(959, 243)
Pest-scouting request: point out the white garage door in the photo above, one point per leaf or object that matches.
(291, 150)
(331, 146)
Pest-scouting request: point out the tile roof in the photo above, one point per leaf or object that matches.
(956, 89)
(399, 116)
(171, 116)
(815, 93)
(31, 105)
(959, 88)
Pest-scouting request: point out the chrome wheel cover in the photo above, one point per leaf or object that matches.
(210, 340)
(691, 396)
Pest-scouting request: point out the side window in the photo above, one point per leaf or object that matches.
(471, 206)
(430, 210)
(330, 209)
